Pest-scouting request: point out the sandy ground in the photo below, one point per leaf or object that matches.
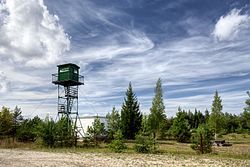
(25, 158)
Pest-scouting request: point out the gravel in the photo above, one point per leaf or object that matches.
(24, 158)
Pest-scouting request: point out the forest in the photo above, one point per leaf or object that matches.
(197, 128)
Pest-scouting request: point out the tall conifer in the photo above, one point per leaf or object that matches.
(157, 115)
(216, 116)
(131, 116)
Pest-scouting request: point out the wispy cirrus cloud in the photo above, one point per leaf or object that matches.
(115, 44)
(189, 61)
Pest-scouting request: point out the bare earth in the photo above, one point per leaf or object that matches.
(24, 158)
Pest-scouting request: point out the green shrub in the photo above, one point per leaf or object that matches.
(117, 145)
(202, 140)
(29, 130)
(181, 128)
(97, 132)
(48, 133)
(58, 134)
(143, 144)
(87, 142)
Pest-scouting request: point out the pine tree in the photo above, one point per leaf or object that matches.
(157, 115)
(245, 116)
(96, 130)
(207, 115)
(17, 119)
(191, 119)
(144, 144)
(117, 145)
(196, 121)
(48, 132)
(145, 129)
(30, 129)
(6, 122)
(113, 123)
(202, 139)
(64, 132)
(181, 128)
(216, 116)
(131, 116)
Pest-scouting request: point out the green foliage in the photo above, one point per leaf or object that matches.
(6, 122)
(13, 125)
(117, 145)
(216, 116)
(245, 121)
(231, 123)
(143, 144)
(113, 123)
(131, 116)
(145, 129)
(207, 115)
(195, 119)
(157, 117)
(48, 133)
(58, 134)
(198, 118)
(180, 128)
(245, 116)
(64, 134)
(29, 130)
(96, 131)
(17, 120)
(202, 139)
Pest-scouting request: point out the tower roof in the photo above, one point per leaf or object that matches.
(68, 64)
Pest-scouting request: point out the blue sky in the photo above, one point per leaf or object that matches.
(195, 47)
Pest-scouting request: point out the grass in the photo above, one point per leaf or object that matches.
(240, 146)
(237, 138)
(239, 150)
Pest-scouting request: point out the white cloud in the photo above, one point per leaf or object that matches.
(181, 62)
(109, 62)
(230, 25)
(133, 42)
(30, 34)
(4, 83)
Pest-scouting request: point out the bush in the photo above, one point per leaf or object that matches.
(144, 144)
(87, 142)
(48, 133)
(58, 134)
(29, 130)
(202, 140)
(117, 145)
(181, 128)
(97, 132)
(64, 133)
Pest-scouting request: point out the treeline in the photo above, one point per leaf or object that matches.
(131, 121)
(187, 126)
(13, 127)
(196, 126)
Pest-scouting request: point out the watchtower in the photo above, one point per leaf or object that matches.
(68, 80)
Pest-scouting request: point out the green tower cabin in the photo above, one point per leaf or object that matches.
(68, 74)
(68, 80)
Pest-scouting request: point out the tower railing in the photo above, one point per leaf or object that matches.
(56, 80)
